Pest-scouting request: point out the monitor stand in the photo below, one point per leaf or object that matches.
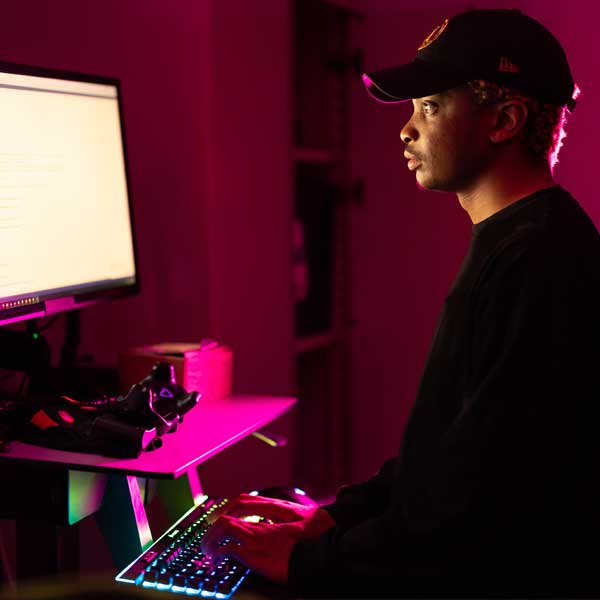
(28, 352)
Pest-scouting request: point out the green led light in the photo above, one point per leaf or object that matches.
(36, 336)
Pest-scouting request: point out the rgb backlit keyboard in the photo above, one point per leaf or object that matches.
(175, 563)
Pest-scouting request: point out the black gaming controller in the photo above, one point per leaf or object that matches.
(172, 400)
(156, 401)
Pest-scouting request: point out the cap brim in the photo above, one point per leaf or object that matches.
(416, 79)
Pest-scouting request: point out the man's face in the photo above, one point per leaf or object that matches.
(446, 140)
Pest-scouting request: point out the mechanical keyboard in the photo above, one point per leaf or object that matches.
(175, 563)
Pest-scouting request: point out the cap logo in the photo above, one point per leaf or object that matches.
(506, 66)
(434, 35)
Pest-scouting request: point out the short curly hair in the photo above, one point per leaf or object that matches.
(545, 127)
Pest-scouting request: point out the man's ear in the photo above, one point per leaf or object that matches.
(510, 117)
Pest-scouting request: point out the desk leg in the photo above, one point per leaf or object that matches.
(195, 485)
(123, 520)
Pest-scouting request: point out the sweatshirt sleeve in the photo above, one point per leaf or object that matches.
(501, 465)
(357, 502)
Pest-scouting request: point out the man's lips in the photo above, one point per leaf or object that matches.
(413, 161)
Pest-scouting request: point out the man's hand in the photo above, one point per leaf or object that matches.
(300, 521)
(266, 546)
(263, 547)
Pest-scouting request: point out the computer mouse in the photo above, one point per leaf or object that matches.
(291, 494)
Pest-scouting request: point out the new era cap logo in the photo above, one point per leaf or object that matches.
(434, 35)
(506, 66)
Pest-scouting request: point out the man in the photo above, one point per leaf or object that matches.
(495, 488)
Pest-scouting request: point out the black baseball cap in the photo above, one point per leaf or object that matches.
(503, 46)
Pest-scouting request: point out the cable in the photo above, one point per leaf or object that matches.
(23, 387)
(8, 576)
(50, 323)
(68, 352)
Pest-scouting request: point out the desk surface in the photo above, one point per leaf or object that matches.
(207, 429)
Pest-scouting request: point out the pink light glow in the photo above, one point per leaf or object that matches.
(561, 133)
(376, 92)
(195, 486)
(65, 416)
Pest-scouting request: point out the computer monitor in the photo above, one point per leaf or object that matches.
(66, 227)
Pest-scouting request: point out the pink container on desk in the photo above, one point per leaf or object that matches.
(205, 367)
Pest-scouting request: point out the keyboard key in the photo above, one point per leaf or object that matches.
(150, 577)
(225, 587)
(164, 581)
(148, 557)
(209, 585)
(194, 584)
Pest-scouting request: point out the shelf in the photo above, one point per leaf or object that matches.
(321, 156)
(321, 254)
(316, 341)
(348, 5)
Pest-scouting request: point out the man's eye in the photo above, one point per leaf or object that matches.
(429, 108)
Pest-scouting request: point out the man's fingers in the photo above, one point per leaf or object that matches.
(276, 510)
(233, 550)
(217, 510)
(250, 499)
(234, 503)
(224, 529)
(262, 547)
(256, 556)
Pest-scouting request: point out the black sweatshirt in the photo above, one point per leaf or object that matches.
(495, 485)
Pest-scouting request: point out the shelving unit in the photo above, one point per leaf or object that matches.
(314, 342)
(314, 156)
(323, 61)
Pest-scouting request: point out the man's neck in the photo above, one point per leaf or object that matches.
(493, 193)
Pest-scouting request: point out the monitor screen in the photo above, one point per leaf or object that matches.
(66, 231)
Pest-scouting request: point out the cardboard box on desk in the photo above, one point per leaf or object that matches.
(203, 367)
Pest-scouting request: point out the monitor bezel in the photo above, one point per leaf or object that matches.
(56, 302)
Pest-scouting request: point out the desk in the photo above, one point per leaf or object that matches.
(95, 481)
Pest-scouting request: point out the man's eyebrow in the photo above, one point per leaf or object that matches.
(432, 98)
(442, 95)
(436, 97)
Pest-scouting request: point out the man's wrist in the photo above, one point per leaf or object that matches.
(319, 523)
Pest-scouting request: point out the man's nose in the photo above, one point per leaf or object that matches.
(408, 133)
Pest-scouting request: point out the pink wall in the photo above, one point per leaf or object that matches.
(250, 206)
